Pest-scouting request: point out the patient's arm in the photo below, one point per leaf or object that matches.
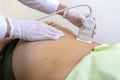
(49, 59)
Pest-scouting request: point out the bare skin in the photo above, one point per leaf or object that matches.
(3, 42)
(49, 59)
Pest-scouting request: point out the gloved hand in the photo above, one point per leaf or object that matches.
(33, 30)
(75, 17)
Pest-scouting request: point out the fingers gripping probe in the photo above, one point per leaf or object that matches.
(85, 32)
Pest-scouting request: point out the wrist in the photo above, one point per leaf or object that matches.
(60, 7)
(8, 29)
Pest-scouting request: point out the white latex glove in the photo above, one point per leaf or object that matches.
(75, 17)
(33, 30)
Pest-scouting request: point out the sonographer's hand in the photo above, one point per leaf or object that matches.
(75, 17)
(33, 30)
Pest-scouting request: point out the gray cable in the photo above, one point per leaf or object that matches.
(90, 13)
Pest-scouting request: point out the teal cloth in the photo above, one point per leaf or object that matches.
(101, 64)
(6, 71)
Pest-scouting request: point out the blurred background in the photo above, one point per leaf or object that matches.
(106, 12)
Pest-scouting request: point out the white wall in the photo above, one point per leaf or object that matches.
(107, 13)
(1, 7)
(14, 9)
